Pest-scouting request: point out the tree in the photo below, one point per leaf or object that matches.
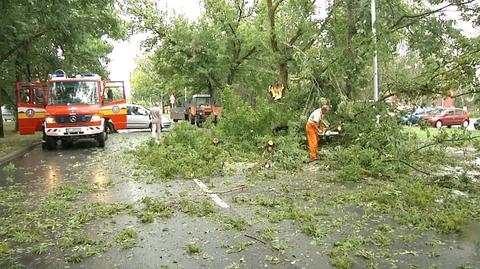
(38, 37)
(317, 49)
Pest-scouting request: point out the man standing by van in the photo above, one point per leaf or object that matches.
(156, 117)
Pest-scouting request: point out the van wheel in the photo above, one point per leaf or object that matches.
(51, 143)
(465, 124)
(101, 139)
(439, 124)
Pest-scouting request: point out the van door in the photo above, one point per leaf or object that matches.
(114, 107)
(31, 102)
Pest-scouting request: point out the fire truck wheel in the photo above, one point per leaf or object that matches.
(101, 139)
(67, 143)
(51, 143)
(110, 128)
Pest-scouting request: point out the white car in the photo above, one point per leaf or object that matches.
(138, 118)
(7, 115)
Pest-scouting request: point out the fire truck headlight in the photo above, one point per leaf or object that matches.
(49, 120)
(96, 118)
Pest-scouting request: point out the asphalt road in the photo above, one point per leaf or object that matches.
(81, 230)
(162, 243)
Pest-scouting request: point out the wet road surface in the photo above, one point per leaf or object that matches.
(84, 207)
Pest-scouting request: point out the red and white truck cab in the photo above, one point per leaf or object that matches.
(68, 109)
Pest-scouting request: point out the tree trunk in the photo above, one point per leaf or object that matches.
(231, 75)
(350, 55)
(283, 73)
(18, 77)
(2, 134)
(282, 63)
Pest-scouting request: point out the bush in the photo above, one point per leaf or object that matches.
(242, 132)
(187, 152)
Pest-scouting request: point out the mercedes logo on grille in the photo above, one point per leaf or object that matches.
(73, 118)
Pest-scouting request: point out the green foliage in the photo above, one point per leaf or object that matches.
(239, 247)
(237, 223)
(9, 171)
(268, 233)
(243, 133)
(154, 208)
(192, 248)
(126, 238)
(187, 152)
(315, 232)
(342, 251)
(418, 203)
(206, 208)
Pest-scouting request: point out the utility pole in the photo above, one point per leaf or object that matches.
(185, 96)
(161, 100)
(375, 55)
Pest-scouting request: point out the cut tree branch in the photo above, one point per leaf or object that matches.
(443, 141)
(409, 165)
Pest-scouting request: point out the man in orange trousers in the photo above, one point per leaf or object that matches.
(316, 124)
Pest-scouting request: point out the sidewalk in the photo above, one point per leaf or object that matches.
(13, 145)
(17, 154)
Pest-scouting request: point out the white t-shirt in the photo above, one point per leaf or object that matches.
(315, 116)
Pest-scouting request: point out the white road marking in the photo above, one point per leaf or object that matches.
(212, 195)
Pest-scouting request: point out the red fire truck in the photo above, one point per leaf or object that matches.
(68, 109)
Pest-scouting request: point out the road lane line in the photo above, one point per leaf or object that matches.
(212, 195)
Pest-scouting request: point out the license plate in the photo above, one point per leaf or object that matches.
(73, 130)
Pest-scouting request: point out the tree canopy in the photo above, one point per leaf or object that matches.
(38, 37)
(313, 48)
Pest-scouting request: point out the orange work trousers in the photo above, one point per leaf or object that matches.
(313, 142)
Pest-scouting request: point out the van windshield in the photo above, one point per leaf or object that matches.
(74, 93)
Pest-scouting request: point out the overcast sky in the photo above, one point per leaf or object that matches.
(124, 53)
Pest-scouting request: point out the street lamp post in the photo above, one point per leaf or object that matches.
(375, 55)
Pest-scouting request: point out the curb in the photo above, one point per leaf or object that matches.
(17, 154)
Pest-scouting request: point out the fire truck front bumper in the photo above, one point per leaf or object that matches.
(75, 131)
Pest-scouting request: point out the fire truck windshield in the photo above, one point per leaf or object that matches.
(73, 92)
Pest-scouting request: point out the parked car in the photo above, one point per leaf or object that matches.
(476, 124)
(7, 115)
(417, 115)
(448, 117)
(421, 112)
(138, 118)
